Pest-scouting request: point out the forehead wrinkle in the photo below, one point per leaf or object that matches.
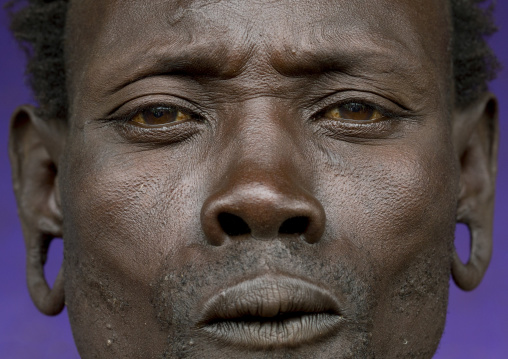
(349, 57)
(134, 52)
(331, 44)
(348, 61)
(359, 47)
(380, 52)
(200, 60)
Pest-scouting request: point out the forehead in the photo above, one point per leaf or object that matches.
(121, 40)
(417, 17)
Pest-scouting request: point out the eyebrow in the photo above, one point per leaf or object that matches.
(347, 57)
(217, 61)
(202, 60)
(380, 58)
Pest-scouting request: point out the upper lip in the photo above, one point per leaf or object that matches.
(271, 311)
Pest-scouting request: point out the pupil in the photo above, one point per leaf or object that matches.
(355, 107)
(158, 112)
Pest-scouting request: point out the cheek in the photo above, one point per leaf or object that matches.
(393, 209)
(393, 203)
(130, 212)
(124, 215)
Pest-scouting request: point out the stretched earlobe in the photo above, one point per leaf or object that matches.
(33, 149)
(476, 141)
(468, 275)
(49, 301)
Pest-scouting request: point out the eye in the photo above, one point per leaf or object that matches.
(352, 111)
(160, 115)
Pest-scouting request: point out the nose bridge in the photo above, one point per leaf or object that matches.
(263, 131)
(265, 190)
(263, 150)
(267, 163)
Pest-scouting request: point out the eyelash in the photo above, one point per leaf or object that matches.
(386, 113)
(389, 125)
(187, 129)
(156, 135)
(126, 118)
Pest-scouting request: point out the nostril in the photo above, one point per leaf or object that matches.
(294, 225)
(233, 225)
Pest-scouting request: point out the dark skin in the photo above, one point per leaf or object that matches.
(227, 165)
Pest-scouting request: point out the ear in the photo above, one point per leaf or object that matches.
(475, 135)
(34, 148)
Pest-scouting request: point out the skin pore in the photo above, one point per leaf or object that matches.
(225, 161)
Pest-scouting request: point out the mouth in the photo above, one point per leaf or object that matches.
(271, 312)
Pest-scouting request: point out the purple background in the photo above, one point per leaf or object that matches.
(477, 324)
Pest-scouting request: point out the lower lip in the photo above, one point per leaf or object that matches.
(289, 332)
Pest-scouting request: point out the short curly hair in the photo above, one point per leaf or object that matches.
(39, 26)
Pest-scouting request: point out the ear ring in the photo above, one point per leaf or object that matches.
(49, 301)
(468, 275)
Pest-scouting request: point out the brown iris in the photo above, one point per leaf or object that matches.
(353, 112)
(160, 115)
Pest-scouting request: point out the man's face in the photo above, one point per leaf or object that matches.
(258, 178)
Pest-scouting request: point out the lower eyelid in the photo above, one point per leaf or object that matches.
(357, 131)
(158, 135)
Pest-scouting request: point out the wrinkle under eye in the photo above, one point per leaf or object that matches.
(160, 115)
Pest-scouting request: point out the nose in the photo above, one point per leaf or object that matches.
(263, 206)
